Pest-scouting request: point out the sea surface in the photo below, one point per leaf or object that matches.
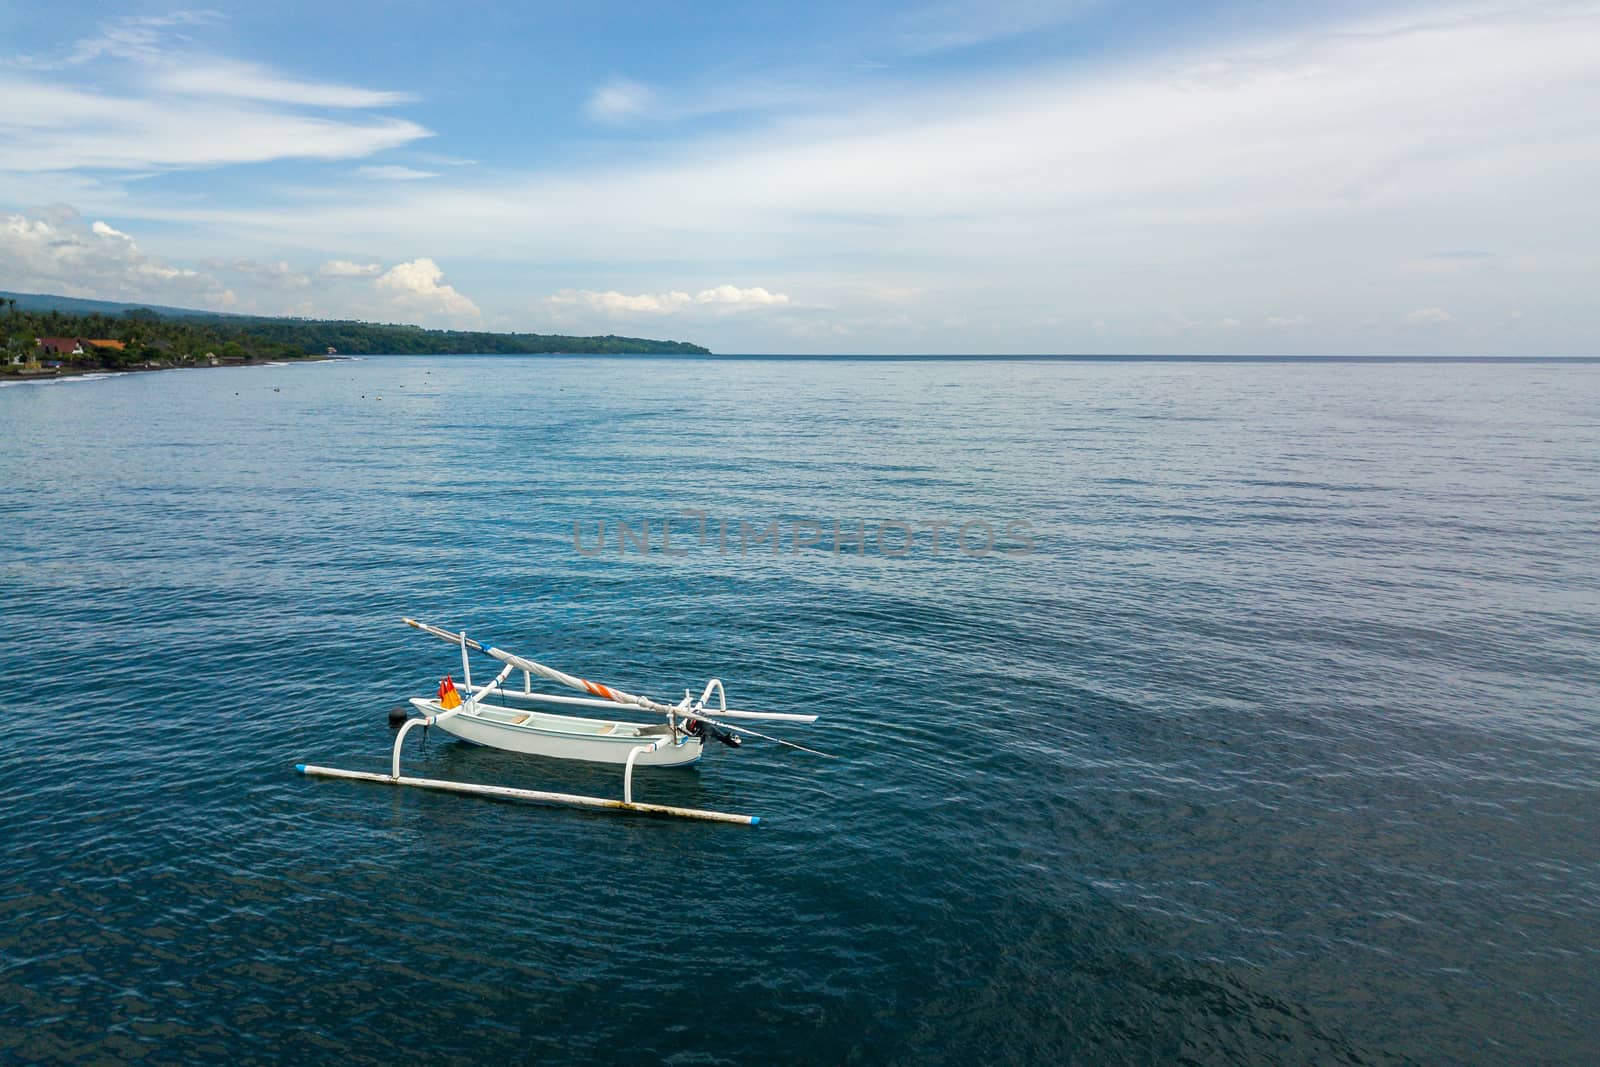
(1267, 730)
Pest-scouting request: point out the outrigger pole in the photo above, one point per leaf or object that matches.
(508, 793)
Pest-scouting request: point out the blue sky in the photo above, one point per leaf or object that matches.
(1024, 177)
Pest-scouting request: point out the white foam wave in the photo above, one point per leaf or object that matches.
(64, 379)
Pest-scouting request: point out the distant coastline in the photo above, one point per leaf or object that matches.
(46, 336)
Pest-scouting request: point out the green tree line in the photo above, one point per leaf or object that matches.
(368, 338)
(149, 337)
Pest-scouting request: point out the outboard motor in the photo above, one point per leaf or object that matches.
(708, 730)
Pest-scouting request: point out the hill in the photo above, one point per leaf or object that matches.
(72, 305)
(315, 336)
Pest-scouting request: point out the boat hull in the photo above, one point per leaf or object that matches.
(566, 736)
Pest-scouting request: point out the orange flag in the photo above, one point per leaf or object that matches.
(448, 697)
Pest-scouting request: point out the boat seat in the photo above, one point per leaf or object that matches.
(520, 719)
(610, 728)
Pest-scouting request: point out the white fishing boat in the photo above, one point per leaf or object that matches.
(536, 733)
(511, 719)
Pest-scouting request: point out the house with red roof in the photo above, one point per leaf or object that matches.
(76, 346)
(61, 346)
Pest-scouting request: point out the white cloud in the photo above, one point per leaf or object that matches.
(1430, 316)
(622, 100)
(54, 252)
(619, 100)
(613, 302)
(394, 173)
(418, 288)
(1237, 178)
(957, 24)
(50, 127)
(435, 159)
(141, 37)
(733, 296)
(250, 81)
(142, 97)
(721, 298)
(343, 268)
(1308, 128)
(100, 229)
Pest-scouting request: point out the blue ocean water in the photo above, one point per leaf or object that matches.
(1270, 736)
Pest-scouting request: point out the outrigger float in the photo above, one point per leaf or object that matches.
(509, 719)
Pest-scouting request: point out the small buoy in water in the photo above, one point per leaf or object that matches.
(397, 716)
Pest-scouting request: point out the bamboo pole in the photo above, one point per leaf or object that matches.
(616, 696)
(589, 702)
(508, 793)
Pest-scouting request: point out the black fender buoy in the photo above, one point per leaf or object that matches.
(397, 716)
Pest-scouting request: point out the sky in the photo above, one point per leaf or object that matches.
(1003, 176)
